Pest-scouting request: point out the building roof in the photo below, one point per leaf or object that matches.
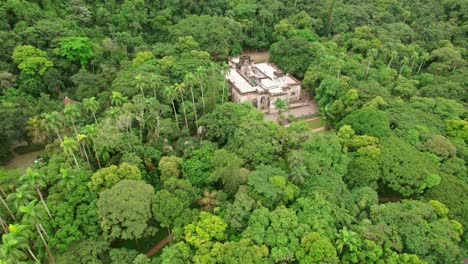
(240, 82)
(261, 77)
(67, 100)
(267, 69)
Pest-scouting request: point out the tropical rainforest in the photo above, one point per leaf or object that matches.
(143, 150)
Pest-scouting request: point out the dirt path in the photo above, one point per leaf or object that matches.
(318, 129)
(158, 246)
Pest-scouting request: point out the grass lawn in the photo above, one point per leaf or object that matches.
(314, 124)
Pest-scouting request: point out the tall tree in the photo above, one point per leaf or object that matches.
(33, 216)
(180, 87)
(200, 75)
(72, 113)
(169, 92)
(125, 210)
(91, 105)
(190, 81)
(70, 145)
(117, 99)
(53, 121)
(36, 180)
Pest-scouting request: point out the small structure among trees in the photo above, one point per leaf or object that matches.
(261, 84)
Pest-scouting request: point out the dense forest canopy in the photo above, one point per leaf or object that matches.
(142, 146)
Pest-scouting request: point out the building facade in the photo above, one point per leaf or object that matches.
(260, 84)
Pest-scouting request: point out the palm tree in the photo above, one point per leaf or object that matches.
(69, 145)
(15, 243)
(328, 116)
(53, 121)
(371, 55)
(190, 81)
(141, 83)
(298, 171)
(414, 58)
(72, 112)
(214, 78)
(393, 55)
(422, 59)
(33, 216)
(22, 196)
(403, 62)
(89, 132)
(155, 83)
(7, 208)
(36, 130)
(11, 249)
(80, 139)
(225, 69)
(65, 180)
(208, 201)
(169, 93)
(91, 105)
(34, 179)
(4, 226)
(180, 87)
(282, 106)
(117, 99)
(200, 75)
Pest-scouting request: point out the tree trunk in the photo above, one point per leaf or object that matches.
(33, 256)
(390, 62)
(202, 97)
(94, 116)
(76, 161)
(4, 226)
(194, 109)
(175, 113)
(8, 209)
(401, 69)
(39, 193)
(185, 112)
(58, 135)
(97, 159)
(3, 192)
(420, 66)
(51, 257)
(74, 128)
(222, 96)
(368, 67)
(85, 155)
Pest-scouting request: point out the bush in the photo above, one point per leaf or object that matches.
(28, 148)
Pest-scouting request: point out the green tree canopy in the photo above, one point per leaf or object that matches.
(125, 210)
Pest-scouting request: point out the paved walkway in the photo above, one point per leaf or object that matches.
(300, 111)
(158, 246)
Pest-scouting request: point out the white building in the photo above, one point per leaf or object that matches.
(261, 84)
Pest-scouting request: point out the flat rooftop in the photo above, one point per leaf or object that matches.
(259, 77)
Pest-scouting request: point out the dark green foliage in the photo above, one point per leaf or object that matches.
(226, 118)
(414, 227)
(125, 210)
(28, 148)
(218, 35)
(292, 55)
(256, 142)
(368, 121)
(197, 167)
(406, 170)
(124, 95)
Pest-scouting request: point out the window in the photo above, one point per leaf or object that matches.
(293, 93)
